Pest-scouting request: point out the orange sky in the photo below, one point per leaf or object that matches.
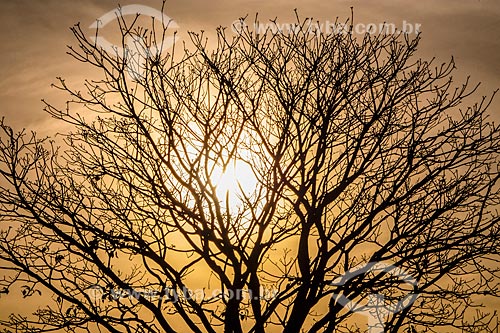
(35, 34)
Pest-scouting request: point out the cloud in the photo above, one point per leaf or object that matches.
(35, 34)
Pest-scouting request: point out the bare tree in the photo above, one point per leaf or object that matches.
(362, 154)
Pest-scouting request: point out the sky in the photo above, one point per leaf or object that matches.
(35, 35)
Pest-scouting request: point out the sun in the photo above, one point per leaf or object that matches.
(234, 181)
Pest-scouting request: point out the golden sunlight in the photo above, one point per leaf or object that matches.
(236, 182)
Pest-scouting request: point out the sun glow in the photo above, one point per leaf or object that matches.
(235, 182)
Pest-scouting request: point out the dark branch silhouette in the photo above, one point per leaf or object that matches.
(362, 153)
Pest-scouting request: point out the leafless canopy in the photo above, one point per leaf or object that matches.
(361, 153)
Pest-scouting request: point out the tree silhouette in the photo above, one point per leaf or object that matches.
(362, 155)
